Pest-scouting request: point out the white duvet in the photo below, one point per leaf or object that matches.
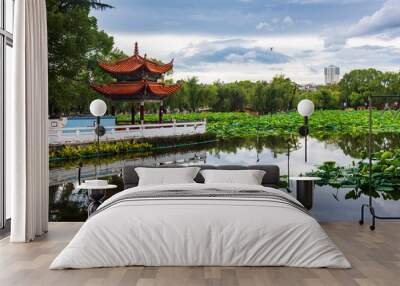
(202, 232)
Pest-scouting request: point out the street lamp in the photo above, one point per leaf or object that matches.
(305, 109)
(98, 108)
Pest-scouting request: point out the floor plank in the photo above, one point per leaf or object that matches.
(375, 257)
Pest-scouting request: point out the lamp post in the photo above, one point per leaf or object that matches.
(305, 109)
(98, 108)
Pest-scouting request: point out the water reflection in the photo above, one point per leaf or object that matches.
(356, 145)
(68, 204)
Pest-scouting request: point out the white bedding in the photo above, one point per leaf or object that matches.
(200, 231)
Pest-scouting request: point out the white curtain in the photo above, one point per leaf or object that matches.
(26, 124)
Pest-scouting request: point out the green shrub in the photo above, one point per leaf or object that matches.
(69, 152)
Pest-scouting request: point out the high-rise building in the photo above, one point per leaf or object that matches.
(332, 74)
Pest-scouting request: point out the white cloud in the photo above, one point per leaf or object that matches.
(307, 55)
(384, 21)
(263, 25)
(279, 23)
(275, 20)
(287, 20)
(252, 71)
(228, 51)
(367, 56)
(238, 58)
(157, 45)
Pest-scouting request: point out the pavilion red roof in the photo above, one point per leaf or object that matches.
(135, 63)
(133, 88)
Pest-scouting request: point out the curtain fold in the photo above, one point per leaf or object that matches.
(27, 124)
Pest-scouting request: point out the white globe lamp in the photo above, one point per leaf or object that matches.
(98, 107)
(305, 107)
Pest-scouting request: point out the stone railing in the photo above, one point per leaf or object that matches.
(81, 135)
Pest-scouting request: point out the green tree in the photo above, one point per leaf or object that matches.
(325, 98)
(259, 97)
(64, 5)
(282, 93)
(194, 93)
(74, 41)
(233, 96)
(362, 83)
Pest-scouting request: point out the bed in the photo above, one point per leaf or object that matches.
(198, 224)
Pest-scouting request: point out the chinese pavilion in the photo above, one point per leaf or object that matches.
(137, 81)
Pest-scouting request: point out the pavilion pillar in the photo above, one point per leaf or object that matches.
(113, 114)
(161, 112)
(133, 112)
(142, 112)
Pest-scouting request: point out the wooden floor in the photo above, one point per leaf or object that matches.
(375, 257)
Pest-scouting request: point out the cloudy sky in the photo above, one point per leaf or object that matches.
(232, 40)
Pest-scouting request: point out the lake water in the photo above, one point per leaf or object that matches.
(89, 121)
(67, 204)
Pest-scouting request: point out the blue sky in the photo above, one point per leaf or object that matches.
(232, 40)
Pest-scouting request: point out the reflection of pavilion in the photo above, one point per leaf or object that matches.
(137, 82)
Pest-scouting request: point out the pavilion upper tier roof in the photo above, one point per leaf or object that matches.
(135, 63)
(136, 90)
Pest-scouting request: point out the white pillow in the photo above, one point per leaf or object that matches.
(248, 177)
(166, 176)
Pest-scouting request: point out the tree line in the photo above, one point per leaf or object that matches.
(76, 43)
(282, 94)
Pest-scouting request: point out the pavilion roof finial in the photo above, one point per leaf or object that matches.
(136, 49)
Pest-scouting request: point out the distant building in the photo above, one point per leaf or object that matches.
(307, 87)
(332, 74)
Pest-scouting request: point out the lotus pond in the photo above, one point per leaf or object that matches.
(322, 123)
(338, 197)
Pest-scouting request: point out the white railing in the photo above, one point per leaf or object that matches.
(121, 132)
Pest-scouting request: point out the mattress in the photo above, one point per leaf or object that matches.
(201, 225)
